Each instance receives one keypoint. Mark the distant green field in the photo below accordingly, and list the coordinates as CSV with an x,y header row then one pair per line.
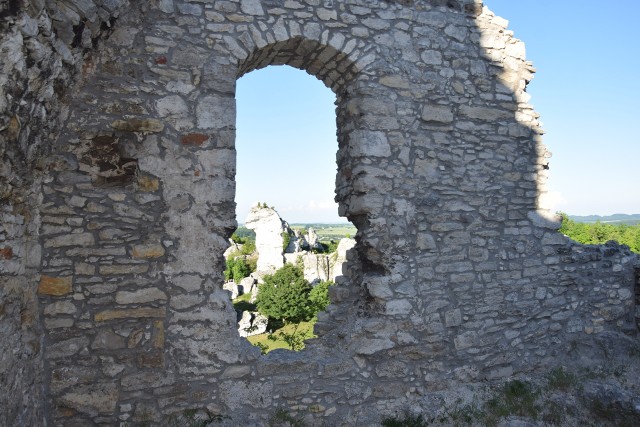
x,y
330,231
325,232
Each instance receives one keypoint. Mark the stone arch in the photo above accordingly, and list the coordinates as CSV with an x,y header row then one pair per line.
x,y
329,63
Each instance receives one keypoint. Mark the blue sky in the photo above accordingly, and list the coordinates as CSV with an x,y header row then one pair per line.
x,y
587,89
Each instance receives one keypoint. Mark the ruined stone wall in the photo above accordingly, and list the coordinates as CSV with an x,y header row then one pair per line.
x,y
458,274
43,48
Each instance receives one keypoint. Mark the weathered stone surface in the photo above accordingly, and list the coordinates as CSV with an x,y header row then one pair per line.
x,y
123,269
80,239
149,250
140,296
269,228
132,313
138,125
55,286
117,130
252,323
94,399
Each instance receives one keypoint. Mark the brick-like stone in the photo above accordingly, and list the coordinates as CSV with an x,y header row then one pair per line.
x,y
55,286
138,125
148,250
132,313
120,269
140,296
79,239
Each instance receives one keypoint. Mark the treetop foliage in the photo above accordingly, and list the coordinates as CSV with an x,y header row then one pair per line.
x,y
287,295
598,233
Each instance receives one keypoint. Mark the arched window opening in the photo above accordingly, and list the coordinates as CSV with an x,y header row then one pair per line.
x,y
290,243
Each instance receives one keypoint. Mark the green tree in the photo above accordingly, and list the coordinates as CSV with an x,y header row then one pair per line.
x,y
285,295
237,269
319,297
598,233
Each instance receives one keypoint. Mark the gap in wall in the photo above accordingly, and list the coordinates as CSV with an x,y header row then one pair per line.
x,y
286,167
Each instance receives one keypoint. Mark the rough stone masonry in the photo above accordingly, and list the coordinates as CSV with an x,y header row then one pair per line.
x,y
117,127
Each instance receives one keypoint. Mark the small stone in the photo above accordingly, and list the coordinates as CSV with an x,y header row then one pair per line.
x,y
251,7
100,398
194,139
133,313
138,125
55,286
150,250
147,183
124,269
106,339
60,307
437,114
140,296
78,239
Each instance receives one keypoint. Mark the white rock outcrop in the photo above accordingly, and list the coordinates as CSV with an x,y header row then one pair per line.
x,y
268,226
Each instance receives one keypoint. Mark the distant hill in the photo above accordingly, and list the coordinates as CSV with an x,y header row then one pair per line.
x,y
630,219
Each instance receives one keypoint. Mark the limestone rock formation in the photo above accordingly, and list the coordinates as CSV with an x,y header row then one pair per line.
x,y
269,227
252,323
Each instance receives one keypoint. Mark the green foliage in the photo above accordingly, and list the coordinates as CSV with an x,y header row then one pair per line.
x,y
237,269
319,297
517,398
295,339
286,239
276,339
598,233
243,303
287,295
327,247
559,379
248,248
284,295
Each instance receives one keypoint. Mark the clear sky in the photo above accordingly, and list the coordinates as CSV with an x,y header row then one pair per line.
x,y
587,89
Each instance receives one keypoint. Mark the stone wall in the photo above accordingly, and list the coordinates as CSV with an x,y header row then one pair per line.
x,y
458,274
45,48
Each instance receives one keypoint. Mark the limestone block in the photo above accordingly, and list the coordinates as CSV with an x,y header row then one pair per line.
x,y
437,114
157,337
77,239
120,269
188,282
140,296
55,286
368,346
379,287
92,399
399,307
149,250
251,7
181,302
216,112
367,143
484,113
237,394
138,125
60,307
465,340
107,339
132,313
66,348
